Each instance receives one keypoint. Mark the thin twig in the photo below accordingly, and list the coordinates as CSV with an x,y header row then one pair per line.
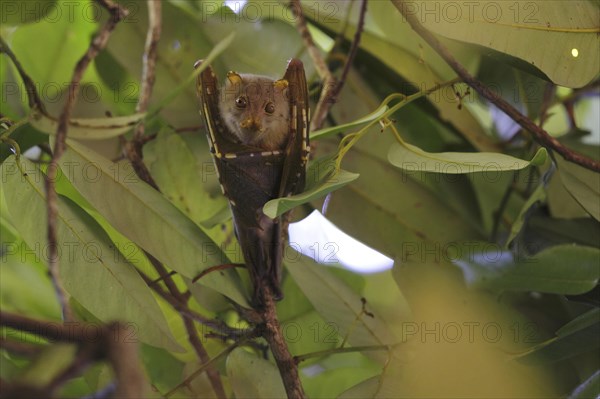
x,y
98,43
215,268
540,135
184,310
352,53
193,337
85,356
332,351
133,148
52,330
202,368
329,81
149,60
33,97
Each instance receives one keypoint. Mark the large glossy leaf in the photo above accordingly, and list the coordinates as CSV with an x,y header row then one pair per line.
x,y
582,184
563,269
391,211
91,269
391,41
66,38
409,157
173,167
253,377
332,383
148,219
17,13
18,264
523,30
337,303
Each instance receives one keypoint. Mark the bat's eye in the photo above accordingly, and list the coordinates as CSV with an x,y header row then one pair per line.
x,y
270,108
241,102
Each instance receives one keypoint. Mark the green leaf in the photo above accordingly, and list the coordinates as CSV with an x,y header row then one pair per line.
x,y
388,37
17,13
219,48
91,269
585,320
147,218
66,37
19,263
392,210
164,370
332,383
89,129
253,377
408,157
364,389
582,184
563,269
590,388
561,203
338,304
524,30
36,298
173,167
48,365
538,195
322,179
309,333
578,336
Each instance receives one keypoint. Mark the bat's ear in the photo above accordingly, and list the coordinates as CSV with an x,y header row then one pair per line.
x,y
234,78
281,84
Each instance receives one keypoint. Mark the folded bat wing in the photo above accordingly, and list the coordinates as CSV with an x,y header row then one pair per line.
x,y
250,177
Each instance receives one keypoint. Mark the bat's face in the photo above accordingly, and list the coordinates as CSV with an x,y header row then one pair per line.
x,y
256,110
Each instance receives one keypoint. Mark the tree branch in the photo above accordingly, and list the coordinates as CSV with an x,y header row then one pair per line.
x,y
98,43
33,97
329,81
134,147
193,337
113,342
134,153
540,135
288,368
184,310
353,50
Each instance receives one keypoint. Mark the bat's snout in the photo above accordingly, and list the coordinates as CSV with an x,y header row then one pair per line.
x,y
251,124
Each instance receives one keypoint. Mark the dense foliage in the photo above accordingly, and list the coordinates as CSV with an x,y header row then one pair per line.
x,y
494,289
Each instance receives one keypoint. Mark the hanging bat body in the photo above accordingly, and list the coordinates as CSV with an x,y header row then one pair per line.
x,y
258,133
